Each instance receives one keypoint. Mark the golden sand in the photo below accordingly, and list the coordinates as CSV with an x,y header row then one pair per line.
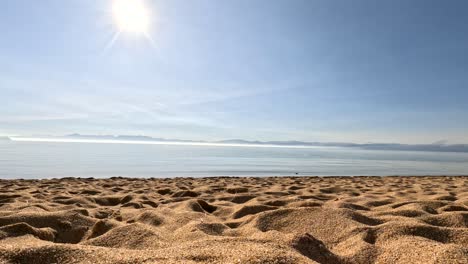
x,y
235,220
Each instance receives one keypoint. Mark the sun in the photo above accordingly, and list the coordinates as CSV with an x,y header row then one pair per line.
x,y
131,16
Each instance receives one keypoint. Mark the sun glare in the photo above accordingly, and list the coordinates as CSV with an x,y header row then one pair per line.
x,y
131,16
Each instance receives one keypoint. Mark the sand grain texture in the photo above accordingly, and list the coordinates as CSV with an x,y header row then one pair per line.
x,y
235,220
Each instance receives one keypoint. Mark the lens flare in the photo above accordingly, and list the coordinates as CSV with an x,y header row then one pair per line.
x,y
131,16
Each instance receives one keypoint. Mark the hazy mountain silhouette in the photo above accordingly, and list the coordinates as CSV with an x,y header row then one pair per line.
x,y
440,146
127,137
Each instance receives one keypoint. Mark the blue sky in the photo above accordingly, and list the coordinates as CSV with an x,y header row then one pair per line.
x,y
349,71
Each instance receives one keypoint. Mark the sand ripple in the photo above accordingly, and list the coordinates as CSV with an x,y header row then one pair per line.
x,y
235,220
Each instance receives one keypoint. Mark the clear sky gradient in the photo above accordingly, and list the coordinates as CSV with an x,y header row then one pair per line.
x,y
348,71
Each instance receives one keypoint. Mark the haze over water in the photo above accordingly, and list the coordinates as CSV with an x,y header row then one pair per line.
x,y
54,159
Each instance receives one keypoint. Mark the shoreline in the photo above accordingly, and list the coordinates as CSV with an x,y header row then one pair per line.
x,y
229,177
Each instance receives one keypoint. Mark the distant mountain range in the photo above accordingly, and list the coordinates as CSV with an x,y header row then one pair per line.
x,y
440,146
127,137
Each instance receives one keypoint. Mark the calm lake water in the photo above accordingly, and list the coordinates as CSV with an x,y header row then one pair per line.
x,y
52,159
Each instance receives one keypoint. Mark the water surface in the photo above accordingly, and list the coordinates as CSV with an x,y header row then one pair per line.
x,y
54,159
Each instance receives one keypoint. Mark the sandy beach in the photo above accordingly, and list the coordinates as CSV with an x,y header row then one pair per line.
x,y
235,220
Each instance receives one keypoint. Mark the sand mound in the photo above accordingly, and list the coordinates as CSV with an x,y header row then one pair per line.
x,y
235,220
314,249
21,229
132,236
